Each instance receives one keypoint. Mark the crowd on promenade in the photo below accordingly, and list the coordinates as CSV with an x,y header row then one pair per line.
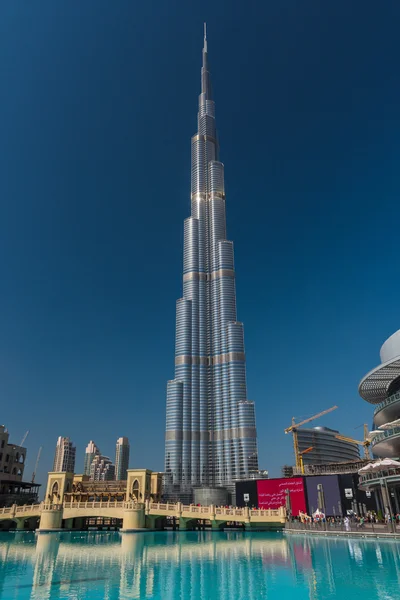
x,y
347,521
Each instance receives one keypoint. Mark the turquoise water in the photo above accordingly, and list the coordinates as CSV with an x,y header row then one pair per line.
x,y
196,566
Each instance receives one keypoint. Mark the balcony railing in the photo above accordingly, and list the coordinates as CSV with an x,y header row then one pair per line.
x,y
384,435
365,478
387,402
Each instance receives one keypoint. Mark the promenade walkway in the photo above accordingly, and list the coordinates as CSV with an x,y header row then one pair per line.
x,y
375,530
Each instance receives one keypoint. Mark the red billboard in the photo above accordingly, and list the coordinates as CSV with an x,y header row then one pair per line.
x,y
271,493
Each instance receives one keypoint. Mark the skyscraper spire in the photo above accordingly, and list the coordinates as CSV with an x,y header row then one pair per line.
x,y
205,75
210,424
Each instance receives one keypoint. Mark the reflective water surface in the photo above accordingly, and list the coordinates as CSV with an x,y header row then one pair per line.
x,y
196,566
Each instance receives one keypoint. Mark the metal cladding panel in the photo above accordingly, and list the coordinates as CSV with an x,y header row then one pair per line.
x,y
271,493
330,484
246,487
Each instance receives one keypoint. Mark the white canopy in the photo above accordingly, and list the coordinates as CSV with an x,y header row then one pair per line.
x,y
388,463
319,514
380,465
367,469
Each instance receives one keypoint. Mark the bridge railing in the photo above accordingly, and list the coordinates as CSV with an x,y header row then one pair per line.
x,y
265,512
28,508
94,504
177,509
160,506
7,510
20,510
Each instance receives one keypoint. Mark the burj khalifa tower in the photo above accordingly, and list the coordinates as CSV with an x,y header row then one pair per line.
x,y
210,424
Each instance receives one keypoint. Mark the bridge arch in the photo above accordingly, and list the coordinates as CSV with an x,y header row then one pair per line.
x,y
93,513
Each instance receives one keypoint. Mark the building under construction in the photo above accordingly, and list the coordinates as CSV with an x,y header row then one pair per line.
x,y
13,490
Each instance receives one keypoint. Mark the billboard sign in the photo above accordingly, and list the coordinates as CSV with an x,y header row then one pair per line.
x,y
272,493
323,492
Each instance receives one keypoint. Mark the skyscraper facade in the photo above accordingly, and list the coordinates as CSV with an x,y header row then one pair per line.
x,y
210,424
121,458
91,451
64,457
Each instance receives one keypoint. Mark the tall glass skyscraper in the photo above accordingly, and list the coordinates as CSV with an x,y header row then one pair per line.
x,y
210,424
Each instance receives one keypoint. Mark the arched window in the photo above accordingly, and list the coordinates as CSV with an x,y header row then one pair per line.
x,y
21,458
54,492
17,457
135,491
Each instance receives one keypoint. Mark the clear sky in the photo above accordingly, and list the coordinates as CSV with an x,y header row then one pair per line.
x,y
98,105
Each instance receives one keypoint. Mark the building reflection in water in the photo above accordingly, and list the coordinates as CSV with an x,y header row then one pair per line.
x,y
193,566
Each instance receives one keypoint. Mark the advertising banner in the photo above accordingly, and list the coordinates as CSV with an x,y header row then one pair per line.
x,y
331,494
271,493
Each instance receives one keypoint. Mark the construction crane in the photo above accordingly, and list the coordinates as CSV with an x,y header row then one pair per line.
x,y
24,438
36,464
294,427
301,457
365,444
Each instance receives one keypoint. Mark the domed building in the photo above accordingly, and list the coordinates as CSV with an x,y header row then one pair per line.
x,y
381,387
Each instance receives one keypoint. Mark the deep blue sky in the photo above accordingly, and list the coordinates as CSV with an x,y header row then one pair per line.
x,y
97,108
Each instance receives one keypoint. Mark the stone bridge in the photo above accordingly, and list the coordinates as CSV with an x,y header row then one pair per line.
x,y
138,516
70,499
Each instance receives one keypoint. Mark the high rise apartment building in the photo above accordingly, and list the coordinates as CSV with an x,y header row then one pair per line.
x,y
121,458
102,469
210,423
64,458
90,453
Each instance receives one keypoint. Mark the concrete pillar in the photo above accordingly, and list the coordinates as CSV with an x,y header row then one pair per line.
x,y
182,524
386,500
396,499
79,523
51,518
20,523
133,517
150,521
216,526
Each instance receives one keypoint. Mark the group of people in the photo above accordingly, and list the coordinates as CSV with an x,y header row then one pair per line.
x,y
359,521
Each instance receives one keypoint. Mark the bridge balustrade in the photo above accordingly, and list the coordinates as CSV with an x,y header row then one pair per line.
x,y
28,508
184,512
